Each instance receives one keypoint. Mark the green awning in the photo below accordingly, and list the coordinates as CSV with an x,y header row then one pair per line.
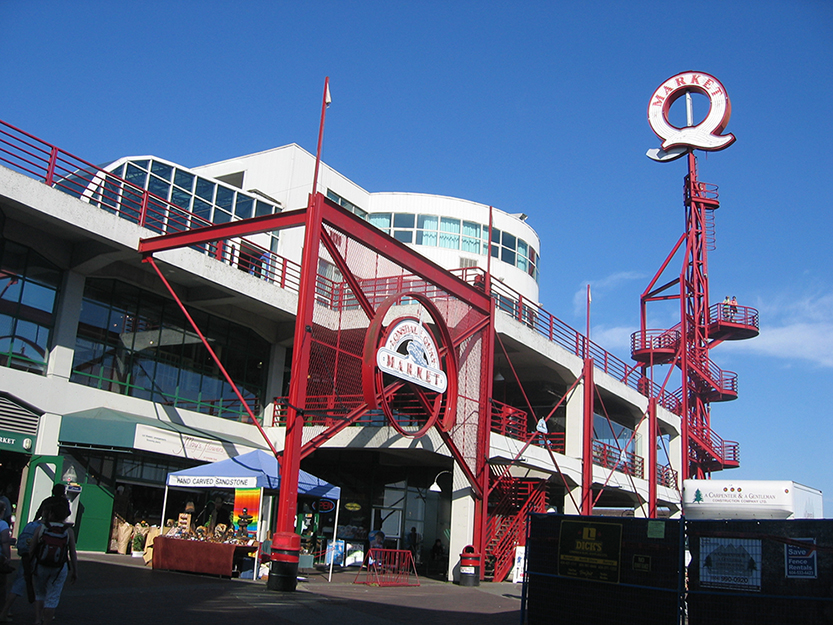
x,y
108,428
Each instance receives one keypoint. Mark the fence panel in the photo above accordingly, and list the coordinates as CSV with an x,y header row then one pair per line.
x,y
760,572
591,570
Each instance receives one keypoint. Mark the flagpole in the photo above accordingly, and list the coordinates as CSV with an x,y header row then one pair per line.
x,y
324,104
587,336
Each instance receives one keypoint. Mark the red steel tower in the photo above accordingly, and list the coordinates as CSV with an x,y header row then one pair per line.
x,y
687,346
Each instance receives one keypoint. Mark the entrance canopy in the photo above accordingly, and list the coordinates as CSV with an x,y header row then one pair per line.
x,y
256,469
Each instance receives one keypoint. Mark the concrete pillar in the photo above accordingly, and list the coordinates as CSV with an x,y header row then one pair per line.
x,y
462,522
573,444
66,326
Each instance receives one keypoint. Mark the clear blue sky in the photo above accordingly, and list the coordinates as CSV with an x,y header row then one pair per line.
x,y
537,108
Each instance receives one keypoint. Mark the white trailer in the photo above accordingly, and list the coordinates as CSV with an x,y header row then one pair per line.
x,y
750,499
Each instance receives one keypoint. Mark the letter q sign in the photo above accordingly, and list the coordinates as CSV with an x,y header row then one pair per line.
x,y
705,135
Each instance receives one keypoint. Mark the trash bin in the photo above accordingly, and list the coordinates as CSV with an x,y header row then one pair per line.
x,y
469,567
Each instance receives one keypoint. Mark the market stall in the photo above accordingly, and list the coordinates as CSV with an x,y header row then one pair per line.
x,y
209,543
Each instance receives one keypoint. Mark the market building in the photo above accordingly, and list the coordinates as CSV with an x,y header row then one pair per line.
x,y
106,384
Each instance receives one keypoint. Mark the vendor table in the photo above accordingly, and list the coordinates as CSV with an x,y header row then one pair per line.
x,y
195,556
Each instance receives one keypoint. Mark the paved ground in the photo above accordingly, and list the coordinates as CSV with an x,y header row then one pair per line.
x,y
119,590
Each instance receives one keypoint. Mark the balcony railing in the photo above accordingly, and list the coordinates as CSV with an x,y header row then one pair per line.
x,y
61,170
611,457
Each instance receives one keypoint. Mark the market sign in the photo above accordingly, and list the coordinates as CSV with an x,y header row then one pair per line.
x,y
703,136
589,550
211,481
15,441
410,354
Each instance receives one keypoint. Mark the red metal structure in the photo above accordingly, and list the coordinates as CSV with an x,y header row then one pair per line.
x,y
687,346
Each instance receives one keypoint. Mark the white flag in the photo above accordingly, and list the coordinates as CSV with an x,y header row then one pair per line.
x,y
327,98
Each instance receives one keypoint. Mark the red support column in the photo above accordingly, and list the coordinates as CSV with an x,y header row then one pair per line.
x,y
587,443
653,430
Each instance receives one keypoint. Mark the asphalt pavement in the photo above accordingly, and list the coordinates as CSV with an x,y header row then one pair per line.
x,y
119,590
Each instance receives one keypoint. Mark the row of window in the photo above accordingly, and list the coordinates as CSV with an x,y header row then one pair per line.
x,y
136,343
28,295
450,233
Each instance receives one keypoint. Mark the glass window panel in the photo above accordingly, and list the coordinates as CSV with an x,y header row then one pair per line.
x,y
38,297
507,256
447,224
360,213
244,207
225,198
205,189
159,187
184,179
221,217
162,170
428,222
522,248
426,238
135,175
202,209
380,220
263,208
406,236
523,263
181,198
509,240
449,240
471,229
495,235
403,220
10,288
470,245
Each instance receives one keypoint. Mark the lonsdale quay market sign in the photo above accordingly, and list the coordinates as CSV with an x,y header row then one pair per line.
x,y
410,367
707,135
14,441
409,353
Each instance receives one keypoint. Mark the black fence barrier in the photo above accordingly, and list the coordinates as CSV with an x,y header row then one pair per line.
x,y
761,572
591,570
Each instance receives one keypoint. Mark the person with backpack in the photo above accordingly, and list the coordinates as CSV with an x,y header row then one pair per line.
x,y
22,584
53,548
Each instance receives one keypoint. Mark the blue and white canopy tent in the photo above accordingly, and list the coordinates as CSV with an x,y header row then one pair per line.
x,y
255,469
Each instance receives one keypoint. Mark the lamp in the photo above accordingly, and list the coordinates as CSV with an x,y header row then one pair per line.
x,y
435,487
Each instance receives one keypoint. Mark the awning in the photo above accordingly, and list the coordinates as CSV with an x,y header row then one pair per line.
x,y
256,469
108,428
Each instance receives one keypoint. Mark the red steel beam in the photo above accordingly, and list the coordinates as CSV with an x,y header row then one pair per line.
x,y
233,229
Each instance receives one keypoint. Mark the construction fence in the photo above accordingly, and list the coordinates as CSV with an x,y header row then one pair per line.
x,y
590,570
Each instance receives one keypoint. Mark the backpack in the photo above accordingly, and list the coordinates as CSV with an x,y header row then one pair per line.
x,y
51,550
24,540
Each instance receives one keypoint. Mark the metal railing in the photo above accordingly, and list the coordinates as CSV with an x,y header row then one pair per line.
x,y
65,172
611,457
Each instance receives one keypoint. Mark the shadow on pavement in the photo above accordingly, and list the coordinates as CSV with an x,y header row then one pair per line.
x,y
118,590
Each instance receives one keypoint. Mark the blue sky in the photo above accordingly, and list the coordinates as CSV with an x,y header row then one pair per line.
x,y
537,108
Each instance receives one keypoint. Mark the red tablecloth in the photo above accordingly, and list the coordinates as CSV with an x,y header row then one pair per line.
x,y
194,556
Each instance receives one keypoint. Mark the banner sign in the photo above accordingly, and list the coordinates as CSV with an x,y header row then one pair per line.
x,y
589,550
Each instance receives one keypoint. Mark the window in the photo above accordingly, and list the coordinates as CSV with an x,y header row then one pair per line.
x,y
450,233
427,226
381,221
471,237
139,344
28,295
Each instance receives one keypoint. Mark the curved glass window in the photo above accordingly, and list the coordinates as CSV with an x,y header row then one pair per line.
x,y
28,295
451,233
137,343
